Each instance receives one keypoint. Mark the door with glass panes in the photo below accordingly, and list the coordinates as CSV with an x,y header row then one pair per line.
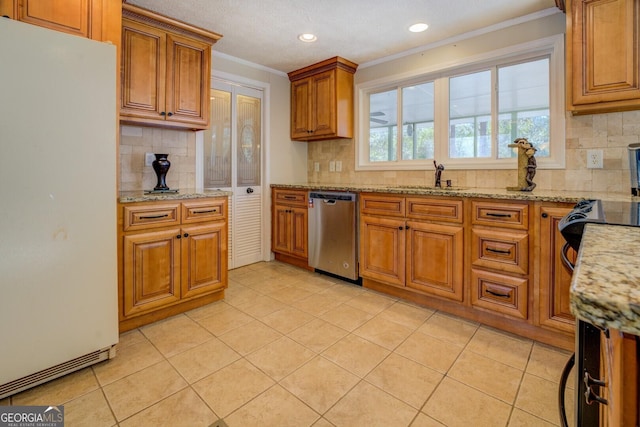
x,y
232,160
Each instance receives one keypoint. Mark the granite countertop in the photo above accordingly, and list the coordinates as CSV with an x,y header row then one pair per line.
x,y
487,193
605,289
140,196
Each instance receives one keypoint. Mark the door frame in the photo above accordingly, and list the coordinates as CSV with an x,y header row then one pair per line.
x,y
232,79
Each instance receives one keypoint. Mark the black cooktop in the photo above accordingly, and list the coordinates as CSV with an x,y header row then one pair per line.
x,y
621,213
597,211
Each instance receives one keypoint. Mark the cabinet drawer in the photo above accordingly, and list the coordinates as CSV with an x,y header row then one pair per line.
x,y
382,205
444,210
508,215
142,217
502,251
500,293
290,197
210,210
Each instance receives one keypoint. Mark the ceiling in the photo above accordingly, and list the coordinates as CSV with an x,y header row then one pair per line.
x,y
265,32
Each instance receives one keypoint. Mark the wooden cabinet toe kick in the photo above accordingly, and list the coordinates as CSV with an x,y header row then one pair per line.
x,y
508,324
159,314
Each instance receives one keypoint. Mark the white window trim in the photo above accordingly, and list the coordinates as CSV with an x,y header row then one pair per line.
x,y
553,45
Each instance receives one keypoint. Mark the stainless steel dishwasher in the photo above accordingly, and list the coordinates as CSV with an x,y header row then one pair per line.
x,y
333,233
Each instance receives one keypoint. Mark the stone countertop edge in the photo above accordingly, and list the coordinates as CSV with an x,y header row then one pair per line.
x,y
605,288
140,196
561,196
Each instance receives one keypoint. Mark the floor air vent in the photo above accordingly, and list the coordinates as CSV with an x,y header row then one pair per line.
x,y
57,371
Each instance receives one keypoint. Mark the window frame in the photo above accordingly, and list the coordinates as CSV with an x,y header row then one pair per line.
x,y
552,47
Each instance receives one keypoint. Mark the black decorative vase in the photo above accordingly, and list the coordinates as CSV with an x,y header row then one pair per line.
x,y
161,166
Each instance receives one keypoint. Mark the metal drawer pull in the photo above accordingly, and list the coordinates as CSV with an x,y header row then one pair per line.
x,y
154,216
498,294
289,197
204,212
499,215
499,251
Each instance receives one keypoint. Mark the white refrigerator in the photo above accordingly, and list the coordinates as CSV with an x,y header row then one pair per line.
x,y
58,268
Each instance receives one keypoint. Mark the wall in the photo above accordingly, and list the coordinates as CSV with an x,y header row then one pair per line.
x,y
135,141
609,132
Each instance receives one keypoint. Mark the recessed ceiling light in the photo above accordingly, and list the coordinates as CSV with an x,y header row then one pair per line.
x,y
418,28
307,38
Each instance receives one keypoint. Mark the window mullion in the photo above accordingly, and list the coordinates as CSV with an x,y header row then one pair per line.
x,y
441,119
494,113
399,127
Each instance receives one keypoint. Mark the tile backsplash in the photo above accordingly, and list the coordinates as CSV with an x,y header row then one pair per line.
x,y
611,132
135,141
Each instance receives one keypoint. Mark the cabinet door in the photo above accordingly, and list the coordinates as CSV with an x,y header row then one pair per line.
x,y
323,104
603,47
9,8
435,259
382,249
299,232
69,16
621,372
281,229
555,277
204,259
300,105
151,271
144,67
188,67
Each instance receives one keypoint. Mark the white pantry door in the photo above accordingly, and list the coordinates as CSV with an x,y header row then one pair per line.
x,y
232,154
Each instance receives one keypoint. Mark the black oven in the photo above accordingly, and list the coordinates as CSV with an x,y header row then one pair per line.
x,y
587,348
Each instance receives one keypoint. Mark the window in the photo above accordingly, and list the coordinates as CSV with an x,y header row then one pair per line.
x,y
466,116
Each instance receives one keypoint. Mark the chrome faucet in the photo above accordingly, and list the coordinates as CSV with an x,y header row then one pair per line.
x,y
439,169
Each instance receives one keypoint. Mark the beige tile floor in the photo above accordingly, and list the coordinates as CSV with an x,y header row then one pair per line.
x,y
292,348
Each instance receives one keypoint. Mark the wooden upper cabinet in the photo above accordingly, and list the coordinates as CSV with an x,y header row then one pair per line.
x,y
94,19
166,71
603,64
144,59
322,100
70,16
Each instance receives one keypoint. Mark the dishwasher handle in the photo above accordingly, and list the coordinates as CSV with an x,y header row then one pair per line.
x,y
334,195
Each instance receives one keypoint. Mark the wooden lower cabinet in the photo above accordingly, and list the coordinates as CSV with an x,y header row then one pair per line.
x,y
498,264
419,255
554,310
201,259
620,370
170,258
151,279
382,249
499,267
500,293
290,233
289,227
434,259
